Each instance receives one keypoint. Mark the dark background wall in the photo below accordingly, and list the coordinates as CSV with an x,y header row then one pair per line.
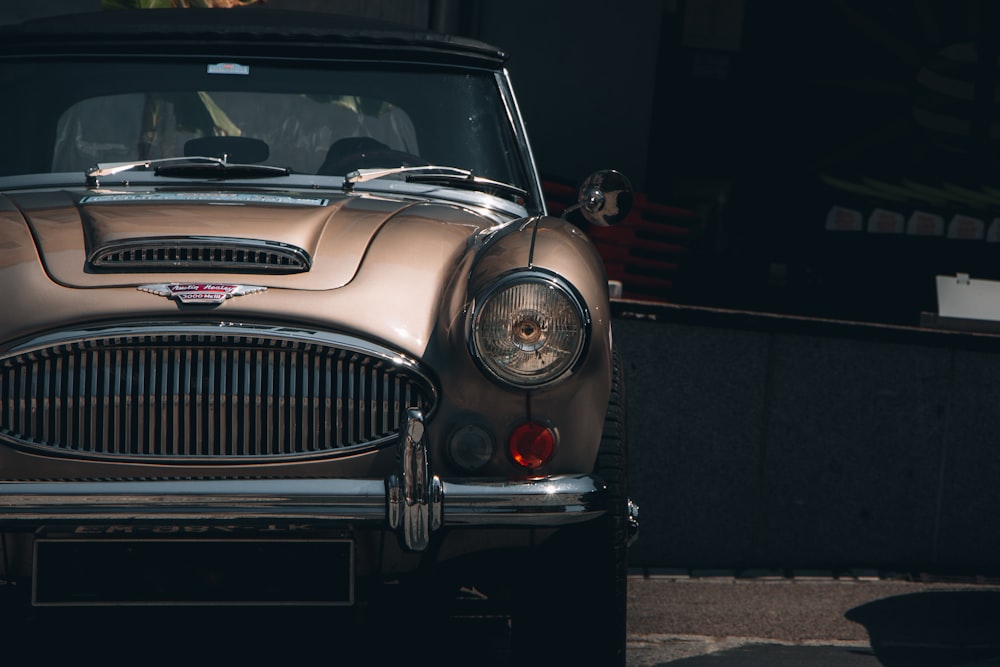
x,y
771,442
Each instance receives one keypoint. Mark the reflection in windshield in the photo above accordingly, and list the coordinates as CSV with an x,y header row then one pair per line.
x,y
109,111
298,129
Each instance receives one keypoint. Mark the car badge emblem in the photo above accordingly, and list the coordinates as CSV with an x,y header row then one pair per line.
x,y
208,293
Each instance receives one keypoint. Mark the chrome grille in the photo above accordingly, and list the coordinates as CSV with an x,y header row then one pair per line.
x,y
210,397
170,254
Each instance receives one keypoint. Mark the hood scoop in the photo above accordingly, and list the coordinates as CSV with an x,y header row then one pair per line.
x,y
131,239
199,253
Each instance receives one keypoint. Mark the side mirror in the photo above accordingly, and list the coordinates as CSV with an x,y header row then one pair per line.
x,y
604,198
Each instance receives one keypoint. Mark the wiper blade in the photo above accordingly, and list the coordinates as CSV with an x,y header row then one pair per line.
x,y
112,168
197,166
428,173
221,170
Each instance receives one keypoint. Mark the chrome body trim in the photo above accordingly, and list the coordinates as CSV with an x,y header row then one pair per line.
x,y
147,329
200,253
414,495
544,502
516,119
632,522
524,276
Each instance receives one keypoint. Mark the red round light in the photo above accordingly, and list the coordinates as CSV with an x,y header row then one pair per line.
x,y
532,444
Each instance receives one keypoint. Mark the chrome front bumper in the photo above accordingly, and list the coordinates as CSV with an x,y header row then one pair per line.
x,y
551,501
412,501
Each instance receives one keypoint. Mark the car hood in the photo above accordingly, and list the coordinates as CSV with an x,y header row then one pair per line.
x,y
382,268
274,240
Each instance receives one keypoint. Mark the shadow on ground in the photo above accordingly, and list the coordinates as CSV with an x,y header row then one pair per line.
x,y
250,637
933,628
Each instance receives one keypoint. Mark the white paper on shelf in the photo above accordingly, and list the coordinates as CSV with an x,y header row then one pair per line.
x,y
960,296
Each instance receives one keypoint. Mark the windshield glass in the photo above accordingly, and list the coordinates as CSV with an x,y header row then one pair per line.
x,y
67,117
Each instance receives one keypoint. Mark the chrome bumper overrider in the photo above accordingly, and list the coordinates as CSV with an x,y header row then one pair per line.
x,y
412,501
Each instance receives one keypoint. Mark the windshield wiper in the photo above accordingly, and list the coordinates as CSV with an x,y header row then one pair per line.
x,y
195,166
429,173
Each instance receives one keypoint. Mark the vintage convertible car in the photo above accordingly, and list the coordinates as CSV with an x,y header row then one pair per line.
x,y
280,293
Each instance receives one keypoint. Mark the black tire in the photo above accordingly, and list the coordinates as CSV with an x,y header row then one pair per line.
x,y
572,611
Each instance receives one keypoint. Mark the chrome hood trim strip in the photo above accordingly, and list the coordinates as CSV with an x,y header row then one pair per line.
x,y
214,328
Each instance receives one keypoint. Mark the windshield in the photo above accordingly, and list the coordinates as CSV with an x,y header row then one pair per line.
x,y
68,117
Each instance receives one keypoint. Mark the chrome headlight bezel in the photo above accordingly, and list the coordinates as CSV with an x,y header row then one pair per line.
x,y
537,357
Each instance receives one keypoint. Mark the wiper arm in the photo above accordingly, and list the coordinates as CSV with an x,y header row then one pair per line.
x,y
428,173
199,166
112,168
362,175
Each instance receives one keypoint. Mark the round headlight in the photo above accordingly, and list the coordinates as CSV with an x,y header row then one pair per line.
x,y
528,330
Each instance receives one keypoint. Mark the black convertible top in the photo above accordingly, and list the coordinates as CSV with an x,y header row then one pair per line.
x,y
245,31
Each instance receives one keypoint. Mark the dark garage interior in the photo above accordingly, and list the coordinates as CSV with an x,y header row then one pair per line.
x,y
838,154
824,159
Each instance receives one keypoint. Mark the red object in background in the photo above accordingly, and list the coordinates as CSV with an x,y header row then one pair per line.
x,y
646,251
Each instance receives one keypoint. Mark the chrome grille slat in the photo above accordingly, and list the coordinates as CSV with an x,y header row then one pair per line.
x,y
177,397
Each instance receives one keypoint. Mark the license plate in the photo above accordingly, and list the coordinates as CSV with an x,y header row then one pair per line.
x,y
111,571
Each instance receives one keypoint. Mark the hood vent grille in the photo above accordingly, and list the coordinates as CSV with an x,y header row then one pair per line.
x,y
201,254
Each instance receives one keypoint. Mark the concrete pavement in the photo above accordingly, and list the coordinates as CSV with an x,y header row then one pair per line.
x,y
858,619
